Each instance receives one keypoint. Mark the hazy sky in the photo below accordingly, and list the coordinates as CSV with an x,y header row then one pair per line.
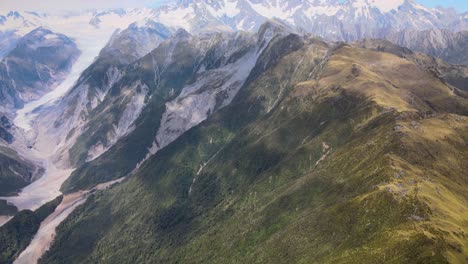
x,y
67,5
461,5
70,5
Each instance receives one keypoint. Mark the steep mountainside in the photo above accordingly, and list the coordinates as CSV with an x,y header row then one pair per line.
x,y
327,154
136,41
88,106
332,19
38,63
185,79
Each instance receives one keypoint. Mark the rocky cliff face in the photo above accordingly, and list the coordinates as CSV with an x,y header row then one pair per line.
x,y
6,130
181,83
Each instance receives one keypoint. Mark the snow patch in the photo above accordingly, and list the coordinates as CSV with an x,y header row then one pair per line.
x,y
51,36
383,5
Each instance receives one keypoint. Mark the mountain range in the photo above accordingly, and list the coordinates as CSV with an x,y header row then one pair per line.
x,y
331,19
318,158
226,131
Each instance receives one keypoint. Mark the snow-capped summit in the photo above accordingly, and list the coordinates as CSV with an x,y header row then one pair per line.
x,y
136,41
384,6
38,63
333,19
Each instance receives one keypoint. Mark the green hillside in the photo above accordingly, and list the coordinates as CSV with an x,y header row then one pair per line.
x,y
327,155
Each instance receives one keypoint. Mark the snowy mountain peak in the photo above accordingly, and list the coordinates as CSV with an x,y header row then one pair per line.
x,y
331,19
383,5
284,8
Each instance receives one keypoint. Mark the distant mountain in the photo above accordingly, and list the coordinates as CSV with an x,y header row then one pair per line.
x,y
161,96
39,62
8,42
331,19
449,46
128,45
13,26
350,20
